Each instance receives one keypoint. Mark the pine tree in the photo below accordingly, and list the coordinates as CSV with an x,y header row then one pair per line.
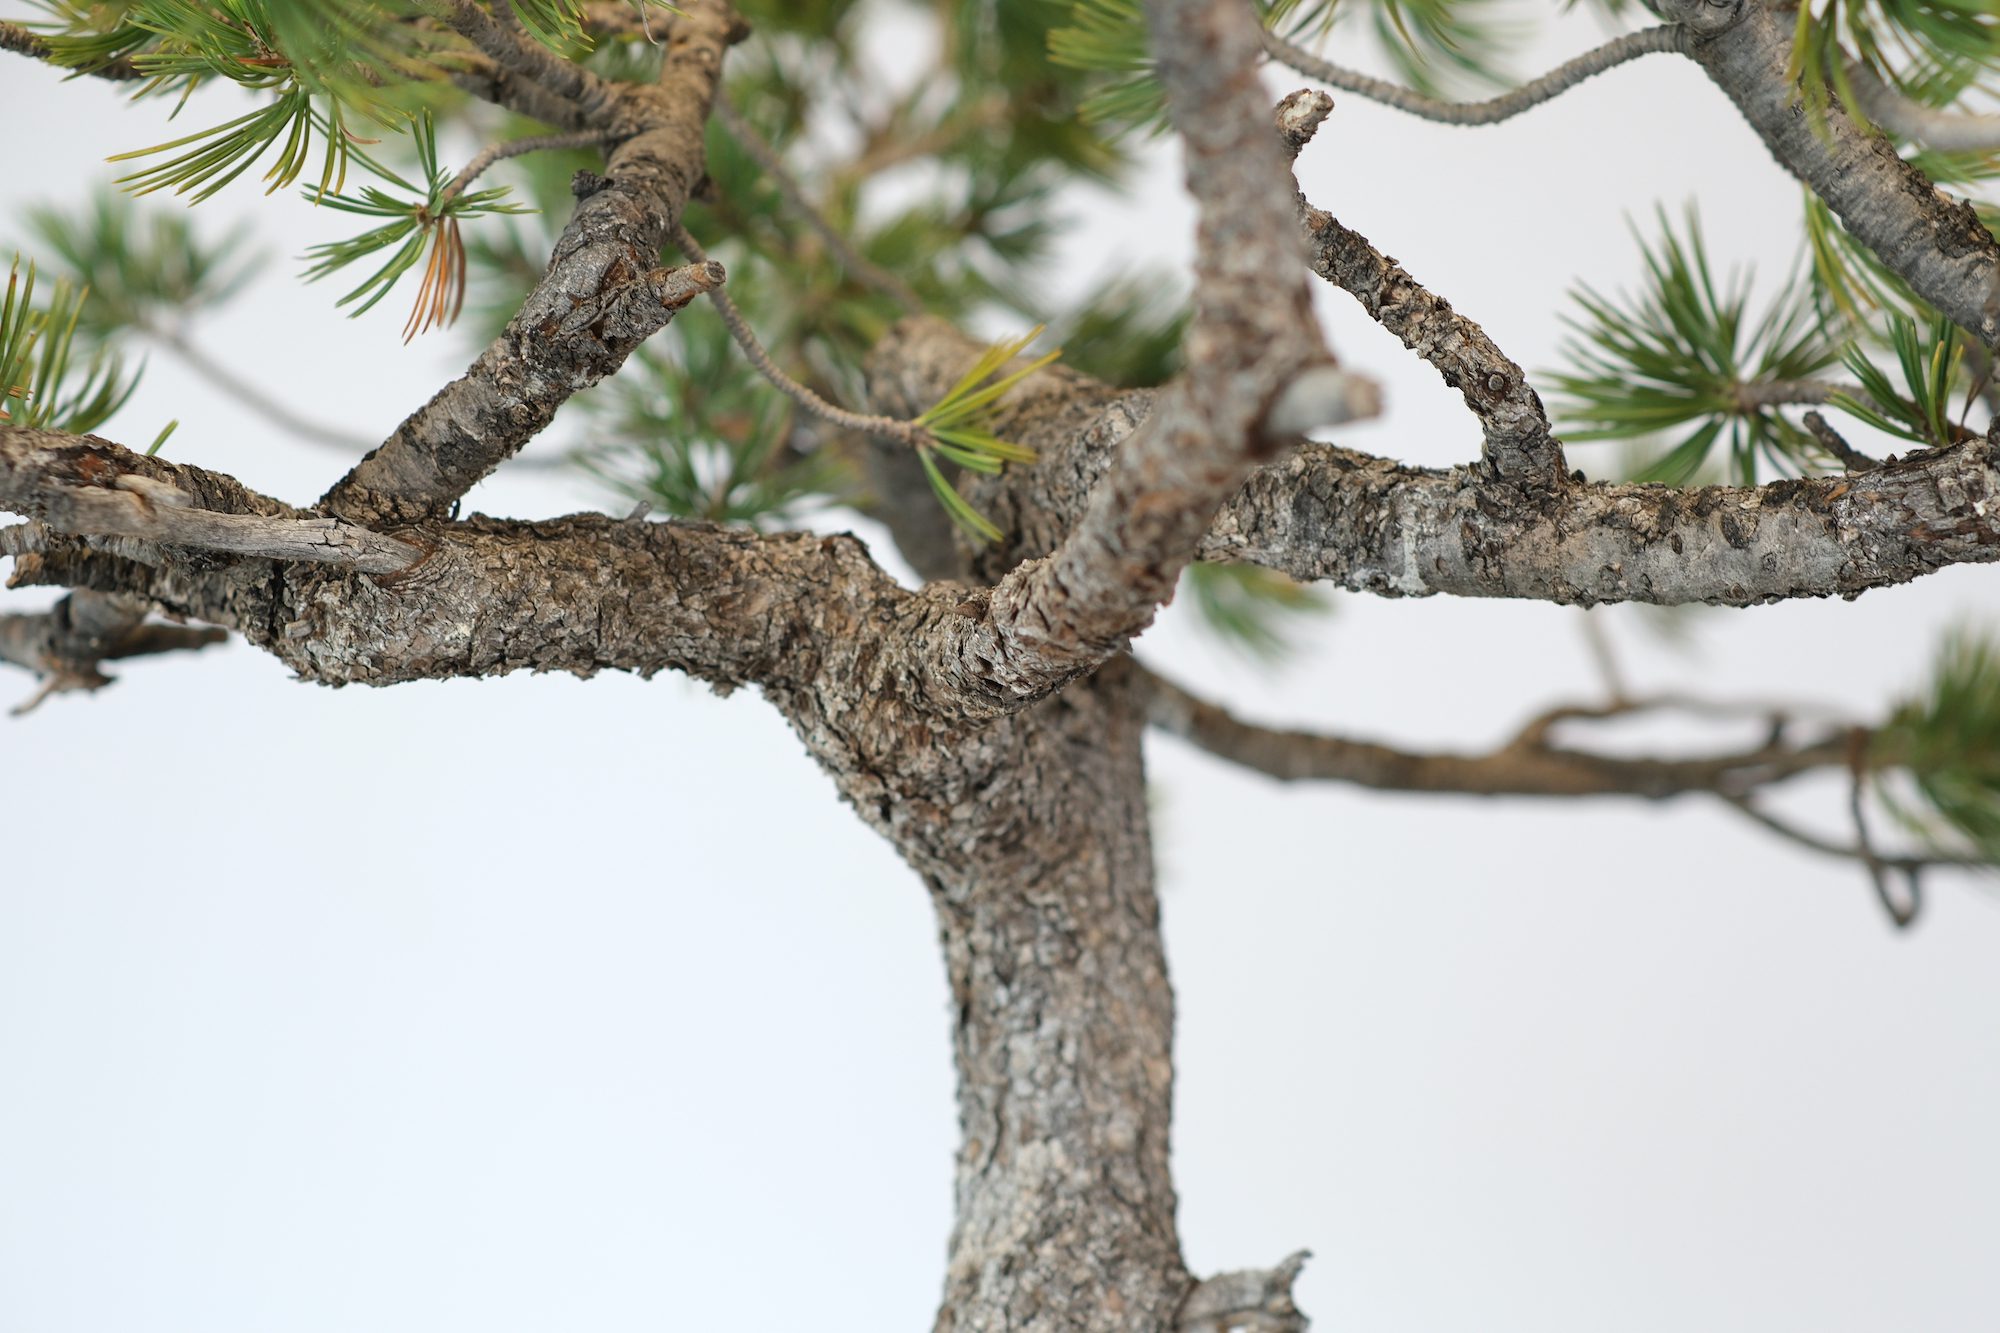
x,y
757,329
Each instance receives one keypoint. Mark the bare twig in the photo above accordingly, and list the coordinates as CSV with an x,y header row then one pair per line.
x,y
1527,765
499,152
1836,444
909,432
1667,37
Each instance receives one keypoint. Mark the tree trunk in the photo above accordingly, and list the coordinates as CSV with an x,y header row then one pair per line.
x,y
1043,882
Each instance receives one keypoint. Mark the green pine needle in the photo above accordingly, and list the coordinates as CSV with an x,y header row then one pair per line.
x,y
413,227
1253,610
1678,355
957,425
1947,738
39,384
1930,361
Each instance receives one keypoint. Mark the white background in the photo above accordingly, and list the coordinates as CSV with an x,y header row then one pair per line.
x,y
543,1004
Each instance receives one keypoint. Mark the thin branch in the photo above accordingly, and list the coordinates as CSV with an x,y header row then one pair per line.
x,y
1604,656
858,266
908,432
510,148
68,644
1836,444
1755,395
1618,51
1517,439
273,409
25,41
1525,766
489,81
505,42
1854,852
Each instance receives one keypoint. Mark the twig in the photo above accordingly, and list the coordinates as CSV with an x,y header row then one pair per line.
x,y
1836,444
739,328
858,266
67,644
14,37
1667,37
498,152
247,394
503,40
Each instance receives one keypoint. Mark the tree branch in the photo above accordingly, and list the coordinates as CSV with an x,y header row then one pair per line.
x,y
1618,51
90,487
1526,766
27,42
1257,376
604,294
1937,246
1374,525
1940,131
858,266
1515,427
68,644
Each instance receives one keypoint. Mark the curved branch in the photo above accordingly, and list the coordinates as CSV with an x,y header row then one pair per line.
x,y
1526,766
1616,52
603,294
1513,423
1940,248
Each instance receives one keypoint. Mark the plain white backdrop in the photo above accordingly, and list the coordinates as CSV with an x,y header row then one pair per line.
x,y
541,1004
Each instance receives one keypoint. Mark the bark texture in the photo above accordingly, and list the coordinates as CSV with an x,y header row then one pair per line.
x,y
1374,525
990,729
1934,243
604,292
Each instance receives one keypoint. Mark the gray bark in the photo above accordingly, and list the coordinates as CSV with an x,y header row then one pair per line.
x,y
990,730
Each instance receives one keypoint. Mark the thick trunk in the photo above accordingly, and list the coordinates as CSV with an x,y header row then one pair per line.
x,y
1065,1209
1031,833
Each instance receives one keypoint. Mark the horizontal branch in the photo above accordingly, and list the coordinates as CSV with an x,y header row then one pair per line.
x,y
581,594
68,644
1374,525
1526,766
1616,52
92,487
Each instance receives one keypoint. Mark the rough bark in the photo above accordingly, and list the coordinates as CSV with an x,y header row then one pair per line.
x,y
1933,243
603,294
991,731
1374,525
